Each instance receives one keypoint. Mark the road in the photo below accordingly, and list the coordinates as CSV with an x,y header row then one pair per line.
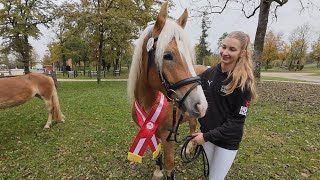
x,y
295,76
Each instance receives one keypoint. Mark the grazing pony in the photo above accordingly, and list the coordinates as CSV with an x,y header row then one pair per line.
x,y
163,61
17,90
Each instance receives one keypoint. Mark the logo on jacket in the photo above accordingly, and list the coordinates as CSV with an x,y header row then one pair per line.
x,y
223,89
209,82
244,109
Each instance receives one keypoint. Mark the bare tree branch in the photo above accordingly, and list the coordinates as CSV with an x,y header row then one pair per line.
x,y
301,6
275,11
252,14
282,2
211,9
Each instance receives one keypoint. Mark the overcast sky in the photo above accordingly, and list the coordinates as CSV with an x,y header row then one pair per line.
x,y
232,19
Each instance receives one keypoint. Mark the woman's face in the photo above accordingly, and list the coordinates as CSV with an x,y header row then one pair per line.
x,y
230,51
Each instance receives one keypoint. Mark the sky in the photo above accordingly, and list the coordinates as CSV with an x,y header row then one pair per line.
x,y
232,19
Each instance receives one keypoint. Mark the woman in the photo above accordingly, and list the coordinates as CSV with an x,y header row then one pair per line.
x,y
229,87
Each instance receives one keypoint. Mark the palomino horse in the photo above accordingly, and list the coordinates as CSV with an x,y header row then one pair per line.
x,y
166,64
15,91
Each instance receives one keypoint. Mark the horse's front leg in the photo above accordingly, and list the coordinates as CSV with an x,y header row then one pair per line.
x,y
192,127
48,124
50,111
168,149
157,174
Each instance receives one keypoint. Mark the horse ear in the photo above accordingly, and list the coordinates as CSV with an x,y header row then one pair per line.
x,y
182,21
162,16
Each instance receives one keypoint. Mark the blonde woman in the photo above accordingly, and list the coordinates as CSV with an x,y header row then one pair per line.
x,y
229,88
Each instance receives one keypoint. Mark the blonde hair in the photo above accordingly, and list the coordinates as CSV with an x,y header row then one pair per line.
x,y
242,74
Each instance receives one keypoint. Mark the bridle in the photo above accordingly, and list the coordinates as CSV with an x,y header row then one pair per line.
x,y
171,88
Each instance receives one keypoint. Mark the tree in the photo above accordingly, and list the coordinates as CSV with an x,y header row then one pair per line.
x,y
315,52
271,48
4,59
46,59
284,53
224,35
298,47
54,52
19,21
264,6
34,58
112,22
203,51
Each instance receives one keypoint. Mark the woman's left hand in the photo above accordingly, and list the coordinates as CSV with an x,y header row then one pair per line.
x,y
198,138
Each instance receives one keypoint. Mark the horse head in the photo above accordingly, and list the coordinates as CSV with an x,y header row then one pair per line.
x,y
163,60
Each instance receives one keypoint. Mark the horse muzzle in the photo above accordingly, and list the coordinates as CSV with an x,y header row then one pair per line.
x,y
195,104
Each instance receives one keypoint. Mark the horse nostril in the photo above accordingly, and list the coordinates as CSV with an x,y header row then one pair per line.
x,y
197,107
200,109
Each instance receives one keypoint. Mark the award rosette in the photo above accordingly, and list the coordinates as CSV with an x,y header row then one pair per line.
x,y
148,125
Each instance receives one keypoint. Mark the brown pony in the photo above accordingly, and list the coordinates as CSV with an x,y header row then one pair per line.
x,y
17,90
166,66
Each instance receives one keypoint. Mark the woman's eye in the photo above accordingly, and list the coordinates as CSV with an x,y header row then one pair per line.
x,y
168,56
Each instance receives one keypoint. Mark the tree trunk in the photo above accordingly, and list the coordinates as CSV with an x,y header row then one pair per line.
x,y
64,61
26,54
84,67
267,65
118,60
260,34
100,57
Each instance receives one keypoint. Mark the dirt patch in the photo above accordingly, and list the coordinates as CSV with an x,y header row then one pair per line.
x,y
290,95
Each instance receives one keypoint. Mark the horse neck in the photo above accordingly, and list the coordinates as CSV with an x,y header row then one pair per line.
x,y
145,94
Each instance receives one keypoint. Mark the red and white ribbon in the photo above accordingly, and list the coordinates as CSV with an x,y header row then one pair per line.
x,y
148,125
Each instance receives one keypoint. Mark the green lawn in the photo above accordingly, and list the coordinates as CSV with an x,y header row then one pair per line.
x,y
281,139
268,78
315,74
309,68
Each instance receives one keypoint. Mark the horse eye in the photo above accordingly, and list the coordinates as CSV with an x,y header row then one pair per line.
x,y
168,56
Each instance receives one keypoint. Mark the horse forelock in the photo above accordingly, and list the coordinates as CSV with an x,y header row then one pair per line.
x,y
172,30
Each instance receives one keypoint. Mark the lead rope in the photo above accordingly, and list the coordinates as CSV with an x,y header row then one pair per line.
x,y
193,156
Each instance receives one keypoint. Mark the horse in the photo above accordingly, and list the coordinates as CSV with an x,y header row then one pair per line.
x,y
18,90
163,60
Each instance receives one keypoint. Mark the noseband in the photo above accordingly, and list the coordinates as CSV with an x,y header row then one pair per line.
x,y
171,88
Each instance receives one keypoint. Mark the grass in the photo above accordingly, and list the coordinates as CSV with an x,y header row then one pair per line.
x,y
281,139
268,78
315,74
309,68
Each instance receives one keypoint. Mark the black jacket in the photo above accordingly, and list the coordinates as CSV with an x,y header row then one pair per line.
x,y
223,123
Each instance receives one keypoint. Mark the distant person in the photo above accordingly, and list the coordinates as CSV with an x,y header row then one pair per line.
x,y
229,88
108,67
68,68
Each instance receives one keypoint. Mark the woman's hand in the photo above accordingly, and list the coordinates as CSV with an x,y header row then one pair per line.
x,y
198,138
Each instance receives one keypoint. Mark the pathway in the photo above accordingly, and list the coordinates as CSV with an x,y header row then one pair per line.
x,y
296,76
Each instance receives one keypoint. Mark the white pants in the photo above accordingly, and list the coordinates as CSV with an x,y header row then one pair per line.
x,y
220,160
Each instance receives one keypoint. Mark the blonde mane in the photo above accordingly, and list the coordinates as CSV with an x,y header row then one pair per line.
x,y
170,30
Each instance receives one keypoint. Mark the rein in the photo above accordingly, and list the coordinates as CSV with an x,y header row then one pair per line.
x,y
171,88
197,152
